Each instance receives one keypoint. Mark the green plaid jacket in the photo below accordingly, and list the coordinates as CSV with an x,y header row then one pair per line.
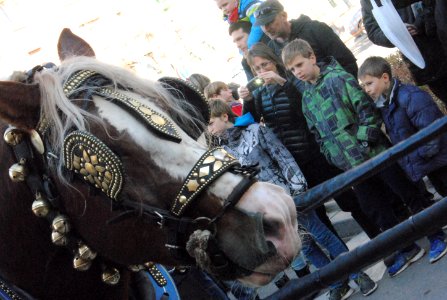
x,y
342,117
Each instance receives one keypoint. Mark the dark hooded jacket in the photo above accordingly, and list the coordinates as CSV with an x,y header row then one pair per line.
x,y
324,41
427,42
280,108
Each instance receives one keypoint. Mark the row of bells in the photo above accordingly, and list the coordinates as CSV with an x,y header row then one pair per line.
x,y
41,208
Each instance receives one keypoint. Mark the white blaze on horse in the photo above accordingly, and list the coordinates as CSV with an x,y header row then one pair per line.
x,y
105,175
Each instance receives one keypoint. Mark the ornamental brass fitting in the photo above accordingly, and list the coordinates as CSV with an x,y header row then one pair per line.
x,y
18,172
41,207
59,239
86,253
61,224
37,142
13,136
81,264
110,276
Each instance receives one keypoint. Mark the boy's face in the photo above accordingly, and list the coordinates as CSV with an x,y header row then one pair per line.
x,y
218,125
226,6
240,38
226,94
304,68
375,86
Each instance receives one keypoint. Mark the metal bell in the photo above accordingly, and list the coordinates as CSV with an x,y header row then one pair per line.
x,y
59,239
13,136
41,207
81,264
18,172
110,276
86,253
135,268
61,224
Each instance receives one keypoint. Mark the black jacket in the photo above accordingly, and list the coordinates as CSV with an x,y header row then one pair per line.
x,y
427,42
324,41
280,108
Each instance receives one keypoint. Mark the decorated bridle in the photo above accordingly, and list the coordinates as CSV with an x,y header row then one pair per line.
x,y
91,160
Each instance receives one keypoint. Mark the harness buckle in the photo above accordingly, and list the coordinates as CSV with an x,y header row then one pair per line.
x,y
160,223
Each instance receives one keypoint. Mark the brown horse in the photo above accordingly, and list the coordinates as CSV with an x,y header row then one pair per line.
x,y
102,180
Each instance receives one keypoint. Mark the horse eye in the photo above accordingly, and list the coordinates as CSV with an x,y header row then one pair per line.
x,y
271,227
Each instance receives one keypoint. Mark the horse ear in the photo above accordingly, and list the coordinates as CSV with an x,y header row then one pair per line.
x,y
20,104
70,45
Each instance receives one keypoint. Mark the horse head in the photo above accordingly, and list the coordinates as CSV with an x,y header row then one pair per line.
x,y
113,163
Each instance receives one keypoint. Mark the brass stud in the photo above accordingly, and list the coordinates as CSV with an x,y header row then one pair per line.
x,y
182,199
110,276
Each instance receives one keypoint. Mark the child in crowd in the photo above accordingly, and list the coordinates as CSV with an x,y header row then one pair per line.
x,y
199,80
347,127
252,143
405,110
221,90
242,10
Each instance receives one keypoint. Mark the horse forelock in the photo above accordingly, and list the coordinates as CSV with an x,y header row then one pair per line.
x,y
65,115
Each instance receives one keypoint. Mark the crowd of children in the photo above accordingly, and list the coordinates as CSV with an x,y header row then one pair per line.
x,y
311,119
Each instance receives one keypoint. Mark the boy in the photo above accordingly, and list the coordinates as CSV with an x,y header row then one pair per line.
x,y
242,10
405,110
219,89
347,127
252,143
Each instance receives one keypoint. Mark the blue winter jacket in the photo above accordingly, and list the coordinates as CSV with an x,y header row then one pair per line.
x,y
408,110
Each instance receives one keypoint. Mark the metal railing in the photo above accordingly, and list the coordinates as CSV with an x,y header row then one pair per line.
x,y
384,244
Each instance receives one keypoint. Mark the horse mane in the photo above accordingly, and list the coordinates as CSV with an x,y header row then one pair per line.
x,y
64,115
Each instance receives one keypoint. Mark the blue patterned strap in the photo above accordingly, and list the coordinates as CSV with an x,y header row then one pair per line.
x,y
164,289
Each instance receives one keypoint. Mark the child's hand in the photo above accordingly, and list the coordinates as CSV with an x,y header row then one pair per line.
x,y
244,93
271,77
412,29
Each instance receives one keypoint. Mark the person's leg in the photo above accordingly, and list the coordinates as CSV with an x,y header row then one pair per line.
x,y
411,195
374,205
396,179
349,203
319,171
439,180
322,215
441,22
439,88
321,234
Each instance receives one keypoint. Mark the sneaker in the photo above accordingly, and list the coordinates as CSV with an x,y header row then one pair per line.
x,y
414,254
282,281
340,293
438,249
366,284
404,259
